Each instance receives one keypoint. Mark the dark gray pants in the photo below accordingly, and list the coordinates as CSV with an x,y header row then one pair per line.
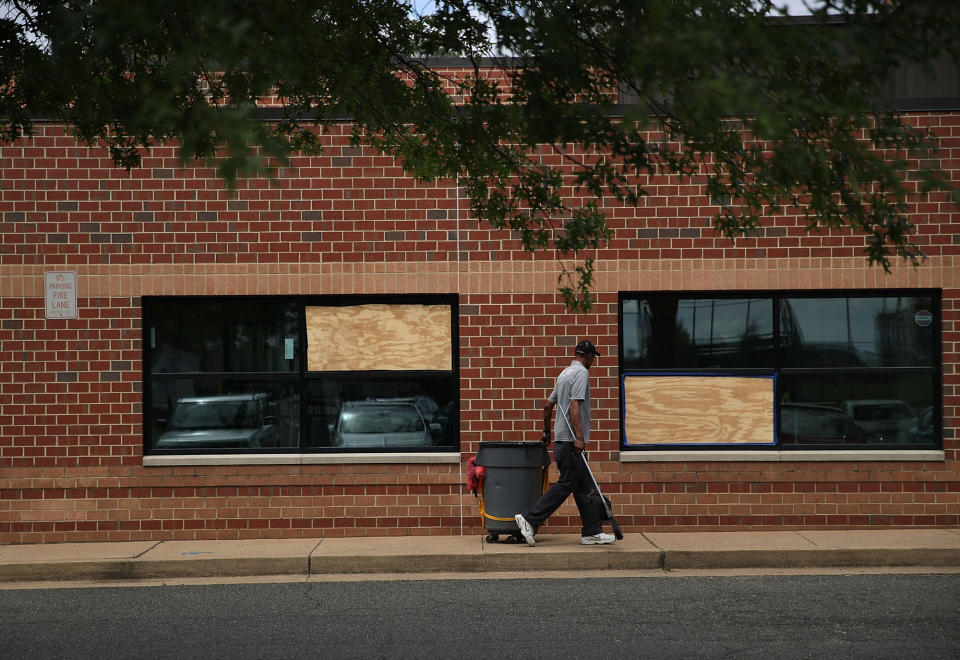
x,y
573,480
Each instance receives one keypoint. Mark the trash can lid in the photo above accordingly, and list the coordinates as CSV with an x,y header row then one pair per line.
x,y
513,454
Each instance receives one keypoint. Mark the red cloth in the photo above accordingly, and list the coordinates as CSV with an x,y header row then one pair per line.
x,y
475,475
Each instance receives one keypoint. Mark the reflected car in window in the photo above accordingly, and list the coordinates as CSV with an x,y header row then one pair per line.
x,y
802,423
923,431
883,420
380,424
427,406
429,409
233,420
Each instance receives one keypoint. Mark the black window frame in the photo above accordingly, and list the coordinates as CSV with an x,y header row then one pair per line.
x,y
778,371
301,377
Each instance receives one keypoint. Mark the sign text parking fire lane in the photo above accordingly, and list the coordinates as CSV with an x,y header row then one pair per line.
x,y
60,293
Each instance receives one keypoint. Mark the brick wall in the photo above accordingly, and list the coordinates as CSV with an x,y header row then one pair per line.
x,y
347,222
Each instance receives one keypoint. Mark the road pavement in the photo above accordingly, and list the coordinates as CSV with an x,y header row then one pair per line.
x,y
781,616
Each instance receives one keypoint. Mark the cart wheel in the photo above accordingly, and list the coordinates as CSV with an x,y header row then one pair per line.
x,y
515,538
492,538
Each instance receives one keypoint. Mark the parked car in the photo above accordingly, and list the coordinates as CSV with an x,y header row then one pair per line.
x,y
802,423
428,408
232,420
376,423
883,420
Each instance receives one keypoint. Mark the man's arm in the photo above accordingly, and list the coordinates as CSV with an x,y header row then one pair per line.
x,y
547,418
577,424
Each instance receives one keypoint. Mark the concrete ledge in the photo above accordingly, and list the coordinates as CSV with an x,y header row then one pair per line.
x,y
809,549
820,558
472,554
639,456
301,459
146,560
780,456
410,457
886,548
146,570
519,562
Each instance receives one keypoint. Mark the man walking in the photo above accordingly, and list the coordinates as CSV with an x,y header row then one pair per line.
x,y
571,432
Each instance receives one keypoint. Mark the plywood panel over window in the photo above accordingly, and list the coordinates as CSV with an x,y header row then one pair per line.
x,y
700,410
379,337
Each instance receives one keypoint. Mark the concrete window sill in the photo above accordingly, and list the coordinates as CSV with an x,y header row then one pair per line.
x,y
301,459
777,456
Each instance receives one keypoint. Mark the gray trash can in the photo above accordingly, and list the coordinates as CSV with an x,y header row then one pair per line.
x,y
516,477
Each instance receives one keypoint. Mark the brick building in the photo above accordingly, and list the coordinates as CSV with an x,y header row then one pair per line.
x,y
320,354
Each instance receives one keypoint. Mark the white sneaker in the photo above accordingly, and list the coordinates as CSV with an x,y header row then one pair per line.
x,y
597,539
526,529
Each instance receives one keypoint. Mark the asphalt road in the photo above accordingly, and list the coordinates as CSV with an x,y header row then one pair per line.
x,y
869,616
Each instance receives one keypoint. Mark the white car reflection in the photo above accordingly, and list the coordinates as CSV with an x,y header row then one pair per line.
x,y
883,420
380,424
227,421
806,423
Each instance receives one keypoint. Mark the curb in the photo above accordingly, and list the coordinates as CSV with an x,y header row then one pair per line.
x,y
556,561
489,562
146,570
819,558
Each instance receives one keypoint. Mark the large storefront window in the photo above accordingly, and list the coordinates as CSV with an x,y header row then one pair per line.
x,y
793,370
283,374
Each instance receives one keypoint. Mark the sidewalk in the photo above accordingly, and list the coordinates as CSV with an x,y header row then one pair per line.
x,y
934,548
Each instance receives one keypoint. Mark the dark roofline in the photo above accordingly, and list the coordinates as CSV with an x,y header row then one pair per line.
x,y
930,104
924,104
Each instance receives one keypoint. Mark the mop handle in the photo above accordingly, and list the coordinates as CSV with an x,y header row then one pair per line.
x,y
596,486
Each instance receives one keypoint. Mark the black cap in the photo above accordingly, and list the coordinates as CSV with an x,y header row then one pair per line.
x,y
586,347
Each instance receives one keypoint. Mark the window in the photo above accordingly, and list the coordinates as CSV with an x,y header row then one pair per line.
x,y
790,370
670,333
292,374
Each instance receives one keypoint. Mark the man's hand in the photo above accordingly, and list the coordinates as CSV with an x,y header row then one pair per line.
x,y
548,406
579,445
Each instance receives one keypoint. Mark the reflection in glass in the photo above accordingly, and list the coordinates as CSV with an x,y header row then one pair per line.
x,y
223,412
803,423
381,424
378,418
885,411
390,412
205,336
856,332
215,413
666,332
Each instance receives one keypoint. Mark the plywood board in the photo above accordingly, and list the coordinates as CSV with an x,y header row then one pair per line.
x,y
379,337
700,410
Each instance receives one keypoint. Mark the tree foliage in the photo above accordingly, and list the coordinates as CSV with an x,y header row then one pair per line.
x,y
770,114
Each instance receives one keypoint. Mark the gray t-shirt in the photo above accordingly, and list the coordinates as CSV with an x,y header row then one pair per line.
x,y
572,383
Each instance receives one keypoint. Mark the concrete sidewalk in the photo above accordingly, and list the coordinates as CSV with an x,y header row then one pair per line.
x,y
934,548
